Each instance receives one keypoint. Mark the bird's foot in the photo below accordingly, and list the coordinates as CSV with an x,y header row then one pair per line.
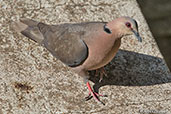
x,y
93,94
102,73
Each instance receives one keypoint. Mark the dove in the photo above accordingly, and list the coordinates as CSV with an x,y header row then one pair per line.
x,y
83,46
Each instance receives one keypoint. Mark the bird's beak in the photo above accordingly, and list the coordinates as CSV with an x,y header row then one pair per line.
x,y
137,35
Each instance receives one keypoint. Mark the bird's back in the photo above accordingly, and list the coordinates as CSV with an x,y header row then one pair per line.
x,y
66,42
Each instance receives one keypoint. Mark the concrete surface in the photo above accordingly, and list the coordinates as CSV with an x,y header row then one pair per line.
x,y
34,82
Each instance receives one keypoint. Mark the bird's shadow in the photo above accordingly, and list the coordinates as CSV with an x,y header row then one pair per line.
x,y
133,69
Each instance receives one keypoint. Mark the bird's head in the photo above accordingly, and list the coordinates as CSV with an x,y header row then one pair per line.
x,y
125,26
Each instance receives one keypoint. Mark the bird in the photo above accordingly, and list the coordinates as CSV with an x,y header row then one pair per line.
x,y
83,46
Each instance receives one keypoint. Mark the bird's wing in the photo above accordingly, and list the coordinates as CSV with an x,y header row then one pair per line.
x,y
65,43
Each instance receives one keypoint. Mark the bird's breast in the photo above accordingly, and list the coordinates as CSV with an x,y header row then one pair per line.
x,y
101,52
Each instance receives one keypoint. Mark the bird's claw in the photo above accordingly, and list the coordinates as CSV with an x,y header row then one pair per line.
x,y
93,94
88,97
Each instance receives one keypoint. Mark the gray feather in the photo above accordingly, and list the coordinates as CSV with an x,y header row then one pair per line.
x,y
64,41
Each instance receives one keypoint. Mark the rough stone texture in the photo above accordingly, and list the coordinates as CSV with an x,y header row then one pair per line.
x,y
32,81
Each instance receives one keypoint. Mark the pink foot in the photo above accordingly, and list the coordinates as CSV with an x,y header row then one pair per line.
x,y
94,94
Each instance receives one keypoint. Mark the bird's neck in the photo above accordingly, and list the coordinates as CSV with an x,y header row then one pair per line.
x,y
116,29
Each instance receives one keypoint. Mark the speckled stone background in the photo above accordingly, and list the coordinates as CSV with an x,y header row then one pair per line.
x,y
32,81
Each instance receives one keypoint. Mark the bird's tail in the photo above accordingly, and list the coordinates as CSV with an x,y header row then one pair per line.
x,y
29,28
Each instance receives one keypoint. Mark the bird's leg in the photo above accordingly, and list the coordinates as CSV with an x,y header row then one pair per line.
x,y
102,73
94,94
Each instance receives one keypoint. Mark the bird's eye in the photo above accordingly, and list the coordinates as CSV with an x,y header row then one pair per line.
x,y
128,25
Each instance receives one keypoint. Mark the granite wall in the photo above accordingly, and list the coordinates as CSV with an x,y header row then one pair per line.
x,y
32,81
